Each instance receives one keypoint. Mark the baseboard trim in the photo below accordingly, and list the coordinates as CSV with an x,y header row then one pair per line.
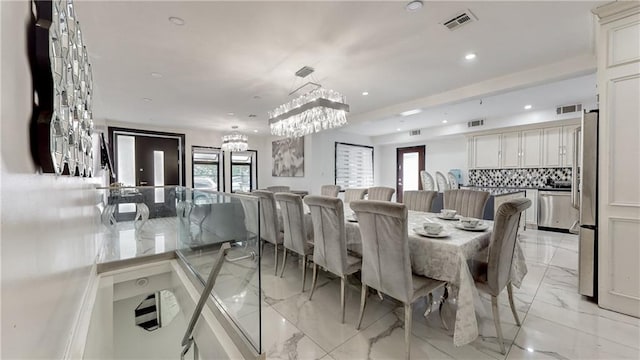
x,y
78,338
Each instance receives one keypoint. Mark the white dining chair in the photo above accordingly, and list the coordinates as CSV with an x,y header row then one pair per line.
x,y
386,265
381,193
466,202
354,194
330,243
330,190
493,274
269,227
453,181
277,189
419,200
441,180
427,181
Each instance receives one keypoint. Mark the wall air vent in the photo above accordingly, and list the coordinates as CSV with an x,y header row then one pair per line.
x,y
474,123
566,109
414,132
459,20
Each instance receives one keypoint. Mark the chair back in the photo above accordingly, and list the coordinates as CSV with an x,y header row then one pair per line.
x,y
453,181
503,241
295,232
381,193
276,189
250,208
466,202
330,239
354,194
441,180
330,190
427,181
386,265
269,227
419,200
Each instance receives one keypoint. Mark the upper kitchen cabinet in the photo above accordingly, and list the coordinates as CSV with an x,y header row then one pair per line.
x,y
552,147
532,148
511,152
568,144
486,151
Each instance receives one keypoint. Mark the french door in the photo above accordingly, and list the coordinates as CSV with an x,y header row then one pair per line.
x,y
410,161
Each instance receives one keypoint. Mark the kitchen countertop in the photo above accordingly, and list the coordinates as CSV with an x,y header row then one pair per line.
x,y
523,188
496,191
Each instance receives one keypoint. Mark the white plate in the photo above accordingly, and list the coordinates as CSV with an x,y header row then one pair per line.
x,y
481,227
455,218
421,232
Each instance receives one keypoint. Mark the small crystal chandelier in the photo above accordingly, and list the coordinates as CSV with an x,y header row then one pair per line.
x,y
319,109
235,142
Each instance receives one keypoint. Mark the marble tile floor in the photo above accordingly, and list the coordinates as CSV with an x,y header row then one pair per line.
x,y
557,323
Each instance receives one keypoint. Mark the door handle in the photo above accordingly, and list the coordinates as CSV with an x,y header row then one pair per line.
x,y
574,228
575,177
142,183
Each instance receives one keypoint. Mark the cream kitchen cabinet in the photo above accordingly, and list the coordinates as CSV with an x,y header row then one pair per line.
x,y
486,151
567,145
552,147
532,148
510,149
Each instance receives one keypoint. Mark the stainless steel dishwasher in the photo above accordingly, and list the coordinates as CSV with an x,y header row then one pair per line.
x,y
555,210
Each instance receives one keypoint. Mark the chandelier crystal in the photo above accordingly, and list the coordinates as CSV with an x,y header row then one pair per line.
x,y
319,109
235,142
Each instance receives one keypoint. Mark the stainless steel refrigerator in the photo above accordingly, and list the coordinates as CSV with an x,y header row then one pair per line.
x,y
584,197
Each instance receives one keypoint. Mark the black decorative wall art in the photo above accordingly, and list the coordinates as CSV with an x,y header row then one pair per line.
x,y
63,90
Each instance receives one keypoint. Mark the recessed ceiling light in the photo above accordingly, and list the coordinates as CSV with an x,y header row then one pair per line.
x,y
176,20
527,107
365,93
255,130
444,121
411,112
253,115
398,129
156,75
414,5
470,56
230,114
147,99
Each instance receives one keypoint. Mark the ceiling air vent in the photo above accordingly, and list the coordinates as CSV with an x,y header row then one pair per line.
x,y
566,109
414,132
474,123
459,20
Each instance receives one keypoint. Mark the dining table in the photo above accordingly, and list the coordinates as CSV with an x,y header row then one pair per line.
x,y
445,259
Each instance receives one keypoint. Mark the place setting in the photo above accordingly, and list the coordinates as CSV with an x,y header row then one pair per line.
x,y
472,224
431,229
448,214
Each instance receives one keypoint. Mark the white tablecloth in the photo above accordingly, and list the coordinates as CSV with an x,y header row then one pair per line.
x,y
446,259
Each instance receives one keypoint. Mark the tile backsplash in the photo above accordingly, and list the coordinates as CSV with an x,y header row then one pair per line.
x,y
529,177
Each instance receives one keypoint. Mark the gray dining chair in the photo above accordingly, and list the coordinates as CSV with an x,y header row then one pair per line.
x,y
276,189
419,200
466,202
296,234
427,181
493,274
380,193
269,227
386,265
441,180
250,209
330,242
330,190
354,194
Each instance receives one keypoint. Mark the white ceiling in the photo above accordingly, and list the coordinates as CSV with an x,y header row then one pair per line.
x,y
239,57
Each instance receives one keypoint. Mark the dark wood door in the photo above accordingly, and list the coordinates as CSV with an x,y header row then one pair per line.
x,y
158,164
409,161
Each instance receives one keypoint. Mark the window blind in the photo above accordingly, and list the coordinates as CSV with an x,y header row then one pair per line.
x,y
354,166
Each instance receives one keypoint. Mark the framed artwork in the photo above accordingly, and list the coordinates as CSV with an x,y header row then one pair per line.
x,y
288,157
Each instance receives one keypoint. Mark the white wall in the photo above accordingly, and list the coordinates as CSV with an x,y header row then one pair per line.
x,y
319,160
440,155
47,221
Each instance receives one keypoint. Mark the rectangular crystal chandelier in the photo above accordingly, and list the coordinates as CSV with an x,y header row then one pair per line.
x,y
319,109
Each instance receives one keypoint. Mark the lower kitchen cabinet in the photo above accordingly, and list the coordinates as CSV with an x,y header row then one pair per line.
x,y
531,214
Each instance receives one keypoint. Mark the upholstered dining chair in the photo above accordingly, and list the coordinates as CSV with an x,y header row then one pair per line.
x,y
296,235
419,200
276,189
269,227
441,180
494,274
386,265
354,194
427,181
466,202
330,242
453,181
381,193
250,208
330,190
